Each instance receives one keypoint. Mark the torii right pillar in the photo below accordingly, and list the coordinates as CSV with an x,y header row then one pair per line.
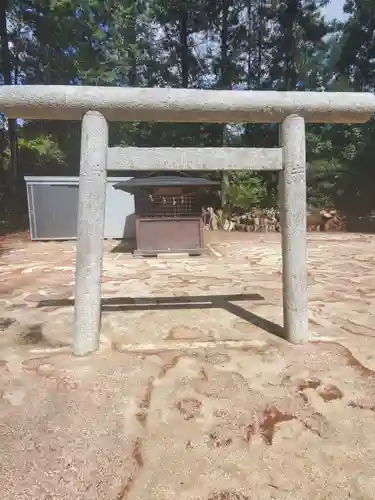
x,y
292,205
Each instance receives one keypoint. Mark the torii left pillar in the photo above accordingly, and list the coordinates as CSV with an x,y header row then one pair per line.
x,y
89,250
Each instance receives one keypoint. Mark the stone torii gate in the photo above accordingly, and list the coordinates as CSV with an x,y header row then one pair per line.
x,y
95,105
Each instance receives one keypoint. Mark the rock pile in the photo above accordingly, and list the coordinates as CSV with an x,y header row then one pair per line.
x,y
255,221
268,220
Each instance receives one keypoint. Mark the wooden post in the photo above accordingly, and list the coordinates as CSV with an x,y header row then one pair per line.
x,y
89,250
293,232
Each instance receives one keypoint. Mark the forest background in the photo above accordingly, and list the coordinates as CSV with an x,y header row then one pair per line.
x,y
210,44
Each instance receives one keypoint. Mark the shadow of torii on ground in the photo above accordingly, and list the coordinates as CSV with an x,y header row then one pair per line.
x,y
183,302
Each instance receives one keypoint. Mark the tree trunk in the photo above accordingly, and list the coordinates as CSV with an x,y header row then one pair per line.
x,y
225,84
224,174
260,44
6,70
132,40
250,71
290,73
184,50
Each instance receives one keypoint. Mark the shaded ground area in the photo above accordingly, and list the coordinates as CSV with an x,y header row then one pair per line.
x,y
189,401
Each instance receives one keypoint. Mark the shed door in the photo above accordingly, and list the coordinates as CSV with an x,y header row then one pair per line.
x,y
55,211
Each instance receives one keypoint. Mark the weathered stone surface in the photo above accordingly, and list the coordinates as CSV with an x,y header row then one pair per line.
x,y
293,229
91,215
59,102
194,159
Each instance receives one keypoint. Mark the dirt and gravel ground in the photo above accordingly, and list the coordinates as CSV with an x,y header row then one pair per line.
x,y
197,401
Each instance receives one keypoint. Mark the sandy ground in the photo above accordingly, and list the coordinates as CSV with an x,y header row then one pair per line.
x,y
198,401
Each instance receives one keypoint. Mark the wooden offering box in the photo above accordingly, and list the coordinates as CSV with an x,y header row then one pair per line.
x,y
168,214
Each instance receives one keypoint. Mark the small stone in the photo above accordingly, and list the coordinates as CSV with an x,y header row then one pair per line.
x,y
175,255
181,332
34,297
330,392
46,369
6,323
15,397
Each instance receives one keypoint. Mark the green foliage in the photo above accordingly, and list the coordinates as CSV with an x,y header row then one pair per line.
x,y
44,148
245,190
325,180
39,151
249,44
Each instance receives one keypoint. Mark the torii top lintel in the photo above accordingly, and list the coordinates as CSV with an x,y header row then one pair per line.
x,y
64,102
